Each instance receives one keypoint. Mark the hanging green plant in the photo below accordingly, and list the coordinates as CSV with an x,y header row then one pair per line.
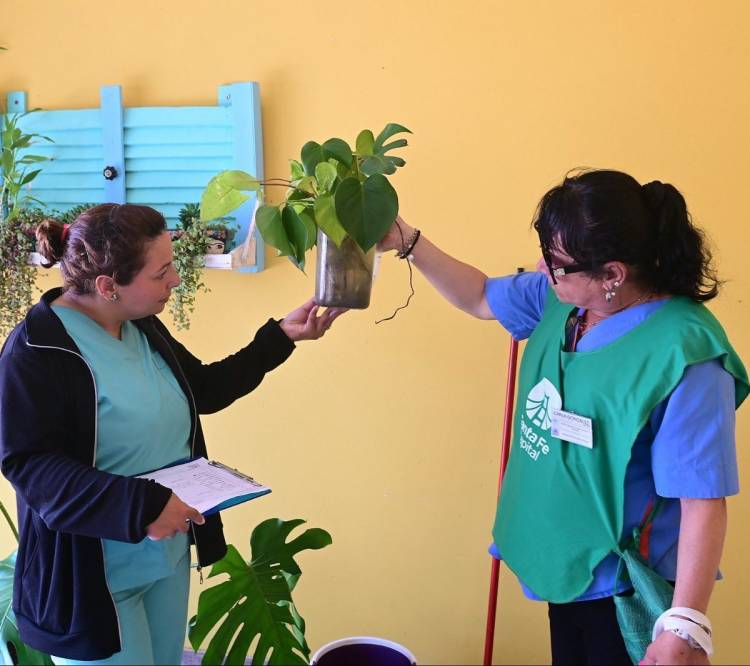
x,y
191,242
256,601
188,251
342,192
18,172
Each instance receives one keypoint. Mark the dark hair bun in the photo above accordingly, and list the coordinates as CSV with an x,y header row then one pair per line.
x,y
49,241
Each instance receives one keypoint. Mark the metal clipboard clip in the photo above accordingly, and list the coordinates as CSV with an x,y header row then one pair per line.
x,y
233,471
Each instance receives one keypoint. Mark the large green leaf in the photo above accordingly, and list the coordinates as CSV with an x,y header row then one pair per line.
x,y
256,601
365,142
8,627
296,232
366,210
325,216
308,218
325,174
339,150
312,155
270,226
223,194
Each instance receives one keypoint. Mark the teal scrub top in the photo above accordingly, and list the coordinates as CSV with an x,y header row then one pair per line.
x,y
143,424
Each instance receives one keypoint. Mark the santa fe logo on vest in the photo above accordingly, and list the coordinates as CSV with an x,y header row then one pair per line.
x,y
537,420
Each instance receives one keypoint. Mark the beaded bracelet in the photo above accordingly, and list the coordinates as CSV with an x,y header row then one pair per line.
x,y
410,243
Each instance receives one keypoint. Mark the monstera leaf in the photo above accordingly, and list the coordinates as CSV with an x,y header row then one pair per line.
x,y
375,149
12,650
255,603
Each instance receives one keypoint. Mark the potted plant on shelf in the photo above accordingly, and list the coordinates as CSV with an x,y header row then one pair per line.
x,y
217,231
337,198
18,172
191,243
255,604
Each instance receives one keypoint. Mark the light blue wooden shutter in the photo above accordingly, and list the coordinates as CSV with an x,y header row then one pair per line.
x,y
74,176
162,156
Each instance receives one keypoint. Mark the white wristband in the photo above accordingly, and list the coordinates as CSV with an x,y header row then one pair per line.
x,y
688,624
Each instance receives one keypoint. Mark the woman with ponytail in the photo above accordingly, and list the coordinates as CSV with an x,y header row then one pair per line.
x,y
626,400
94,390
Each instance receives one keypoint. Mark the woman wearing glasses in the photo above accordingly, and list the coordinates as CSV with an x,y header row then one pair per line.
x,y
626,401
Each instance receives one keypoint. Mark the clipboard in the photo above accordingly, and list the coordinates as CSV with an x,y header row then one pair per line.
x,y
208,486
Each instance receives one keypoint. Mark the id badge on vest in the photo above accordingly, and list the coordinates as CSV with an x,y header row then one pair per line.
x,y
572,428
568,426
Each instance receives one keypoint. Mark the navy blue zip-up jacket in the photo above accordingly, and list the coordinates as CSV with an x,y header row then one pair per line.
x,y
48,433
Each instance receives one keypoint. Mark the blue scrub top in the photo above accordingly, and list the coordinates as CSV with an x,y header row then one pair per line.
x,y
687,448
143,424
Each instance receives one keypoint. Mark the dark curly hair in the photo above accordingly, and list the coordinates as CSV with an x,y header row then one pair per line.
x,y
108,239
597,216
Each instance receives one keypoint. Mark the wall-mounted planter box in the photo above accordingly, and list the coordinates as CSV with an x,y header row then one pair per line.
x,y
157,156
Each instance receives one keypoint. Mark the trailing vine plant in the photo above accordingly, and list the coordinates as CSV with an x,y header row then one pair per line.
x,y
190,244
16,275
189,248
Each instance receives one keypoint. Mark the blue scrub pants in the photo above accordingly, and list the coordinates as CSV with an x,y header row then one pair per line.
x,y
153,621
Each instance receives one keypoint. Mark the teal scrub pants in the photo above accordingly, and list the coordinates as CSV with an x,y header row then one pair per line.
x,y
153,620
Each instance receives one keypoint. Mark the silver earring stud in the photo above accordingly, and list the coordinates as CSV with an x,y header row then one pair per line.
x,y
113,298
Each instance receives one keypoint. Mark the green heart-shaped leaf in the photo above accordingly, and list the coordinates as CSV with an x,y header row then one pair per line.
x,y
312,155
271,228
365,142
366,210
296,232
308,219
339,150
325,216
325,174
223,194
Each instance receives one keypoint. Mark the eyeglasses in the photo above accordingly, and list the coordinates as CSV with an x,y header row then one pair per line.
x,y
562,271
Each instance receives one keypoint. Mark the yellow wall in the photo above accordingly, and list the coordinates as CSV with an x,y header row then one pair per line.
x,y
387,435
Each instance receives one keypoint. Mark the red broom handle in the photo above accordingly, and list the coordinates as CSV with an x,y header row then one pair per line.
x,y
510,392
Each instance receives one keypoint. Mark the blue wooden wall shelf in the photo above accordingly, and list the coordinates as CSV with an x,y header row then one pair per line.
x,y
158,156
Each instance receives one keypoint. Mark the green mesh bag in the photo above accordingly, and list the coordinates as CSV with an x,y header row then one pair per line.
x,y
651,594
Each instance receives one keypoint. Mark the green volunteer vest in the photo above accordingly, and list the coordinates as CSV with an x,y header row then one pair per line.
x,y
561,507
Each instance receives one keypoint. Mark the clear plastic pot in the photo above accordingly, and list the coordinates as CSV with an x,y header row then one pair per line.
x,y
343,276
